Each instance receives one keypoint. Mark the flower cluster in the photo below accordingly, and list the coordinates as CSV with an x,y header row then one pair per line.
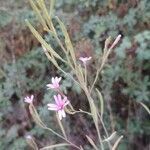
x,y
61,101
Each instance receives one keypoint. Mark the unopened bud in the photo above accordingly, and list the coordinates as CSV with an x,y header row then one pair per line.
x,y
116,41
31,142
107,41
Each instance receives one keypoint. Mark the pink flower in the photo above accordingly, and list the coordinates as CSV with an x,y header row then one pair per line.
x,y
55,83
28,99
85,59
59,105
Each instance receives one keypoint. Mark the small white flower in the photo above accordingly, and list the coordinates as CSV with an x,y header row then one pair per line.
x,y
29,137
28,99
55,83
85,59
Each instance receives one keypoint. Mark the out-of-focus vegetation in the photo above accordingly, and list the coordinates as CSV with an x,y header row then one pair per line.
x,y
124,82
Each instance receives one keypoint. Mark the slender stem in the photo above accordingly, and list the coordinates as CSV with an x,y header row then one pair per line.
x,y
105,130
61,126
104,59
62,138
85,74
81,111
96,125
97,74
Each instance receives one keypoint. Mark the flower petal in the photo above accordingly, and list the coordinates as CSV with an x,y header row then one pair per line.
x,y
53,80
63,113
32,97
28,99
56,100
50,86
59,79
52,107
66,103
60,99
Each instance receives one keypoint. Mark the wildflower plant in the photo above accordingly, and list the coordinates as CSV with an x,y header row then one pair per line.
x,y
79,75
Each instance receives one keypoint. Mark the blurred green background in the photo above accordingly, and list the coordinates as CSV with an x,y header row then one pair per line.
x,y
125,81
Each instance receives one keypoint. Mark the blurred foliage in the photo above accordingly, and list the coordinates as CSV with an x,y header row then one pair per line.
x,y
124,81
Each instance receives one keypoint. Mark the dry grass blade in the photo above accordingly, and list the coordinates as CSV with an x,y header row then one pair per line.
x,y
67,40
52,2
117,143
46,16
146,108
36,117
42,41
101,102
110,137
55,146
31,142
92,142
61,127
37,11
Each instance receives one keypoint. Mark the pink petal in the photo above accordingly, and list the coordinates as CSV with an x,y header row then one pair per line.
x,y
63,113
58,79
56,100
66,103
55,84
53,80
29,99
32,97
89,58
50,86
52,107
85,59
60,99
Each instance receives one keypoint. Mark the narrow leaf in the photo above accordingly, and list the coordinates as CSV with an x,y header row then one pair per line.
x,y
31,142
55,146
146,108
52,2
117,142
67,40
101,102
61,127
92,142
110,137
41,4
35,116
42,41
38,13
